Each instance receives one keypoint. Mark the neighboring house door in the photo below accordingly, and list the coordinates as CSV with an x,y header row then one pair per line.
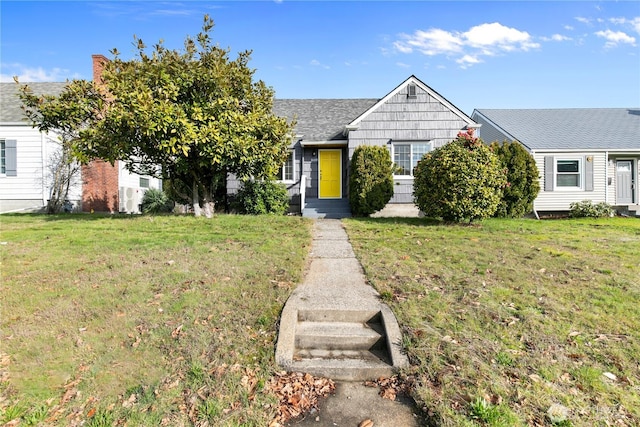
x,y
624,182
330,185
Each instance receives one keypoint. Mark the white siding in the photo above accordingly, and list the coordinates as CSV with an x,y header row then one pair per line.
x,y
561,199
30,188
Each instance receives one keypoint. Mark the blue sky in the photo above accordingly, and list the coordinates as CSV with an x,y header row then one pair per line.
x,y
477,54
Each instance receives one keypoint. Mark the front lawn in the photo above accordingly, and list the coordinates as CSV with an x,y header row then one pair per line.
x,y
514,322
143,320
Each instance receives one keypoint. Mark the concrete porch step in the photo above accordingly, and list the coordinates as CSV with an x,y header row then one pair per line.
x,y
351,369
342,344
339,336
327,208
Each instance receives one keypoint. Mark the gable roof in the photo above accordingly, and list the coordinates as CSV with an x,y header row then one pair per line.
x,y
416,81
321,119
10,111
568,128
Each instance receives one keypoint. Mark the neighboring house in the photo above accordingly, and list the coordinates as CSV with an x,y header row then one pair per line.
x,y
25,157
582,154
409,121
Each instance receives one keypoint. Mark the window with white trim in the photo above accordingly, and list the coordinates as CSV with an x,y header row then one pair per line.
x,y
144,182
3,158
286,173
406,155
568,173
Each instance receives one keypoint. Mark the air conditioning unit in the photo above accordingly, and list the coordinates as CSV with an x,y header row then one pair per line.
x,y
129,200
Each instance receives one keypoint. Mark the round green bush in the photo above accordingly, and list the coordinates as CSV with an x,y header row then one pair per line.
x,y
262,197
156,201
522,179
370,180
460,181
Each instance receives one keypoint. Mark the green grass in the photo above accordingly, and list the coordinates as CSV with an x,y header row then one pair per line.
x,y
146,321
530,312
143,320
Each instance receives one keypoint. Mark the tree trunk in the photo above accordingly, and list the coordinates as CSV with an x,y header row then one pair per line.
x,y
208,205
197,211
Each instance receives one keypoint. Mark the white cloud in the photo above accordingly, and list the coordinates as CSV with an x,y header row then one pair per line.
x,y
496,36
616,37
583,20
35,74
403,65
431,42
468,60
568,27
556,38
633,23
316,63
482,40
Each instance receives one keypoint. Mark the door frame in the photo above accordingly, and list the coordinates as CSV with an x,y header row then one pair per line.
x,y
634,199
320,151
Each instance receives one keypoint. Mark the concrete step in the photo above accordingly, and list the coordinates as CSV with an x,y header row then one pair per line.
x,y
351,369
339,336
342,344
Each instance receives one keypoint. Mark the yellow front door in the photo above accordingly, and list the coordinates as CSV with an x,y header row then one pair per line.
x,y
330,174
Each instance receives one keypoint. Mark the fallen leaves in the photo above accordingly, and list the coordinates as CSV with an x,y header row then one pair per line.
x,y
297,393
393,386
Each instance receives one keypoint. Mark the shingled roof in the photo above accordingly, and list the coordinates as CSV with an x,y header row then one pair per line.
x,y
317,119
10,111
321,119
569,128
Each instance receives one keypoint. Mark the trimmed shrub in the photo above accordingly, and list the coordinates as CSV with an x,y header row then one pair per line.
x,y
155,201
370,180
460,181
262,197
522,179
587,209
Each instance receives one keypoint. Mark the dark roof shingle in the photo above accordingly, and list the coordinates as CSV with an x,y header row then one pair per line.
x,y
321,119
10,111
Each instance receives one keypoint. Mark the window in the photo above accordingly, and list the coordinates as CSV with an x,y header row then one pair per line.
x,y
406,156
3,158
8,157
568,173
286,174
144,182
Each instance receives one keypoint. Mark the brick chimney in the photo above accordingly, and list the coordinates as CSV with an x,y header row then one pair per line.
x,y
99,178
99,61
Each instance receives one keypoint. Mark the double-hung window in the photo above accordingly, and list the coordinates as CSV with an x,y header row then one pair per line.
x,y
286,173
568,173
406,156
144,182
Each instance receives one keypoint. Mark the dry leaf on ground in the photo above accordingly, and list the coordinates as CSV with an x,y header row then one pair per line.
x,y
297,393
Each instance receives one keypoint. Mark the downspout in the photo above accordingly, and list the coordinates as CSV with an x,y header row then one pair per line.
x,y
43,151
606,177
535,212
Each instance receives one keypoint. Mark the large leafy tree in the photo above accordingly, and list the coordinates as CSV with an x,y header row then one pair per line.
x,y
191,116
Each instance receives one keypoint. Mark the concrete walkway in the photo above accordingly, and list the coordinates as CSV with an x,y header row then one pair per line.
x,y
335,282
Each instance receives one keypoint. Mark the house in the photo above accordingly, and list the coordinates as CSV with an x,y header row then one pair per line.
x,y
410,121
26,156
582,154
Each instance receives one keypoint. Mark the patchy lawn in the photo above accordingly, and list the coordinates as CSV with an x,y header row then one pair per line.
x,y
143,320
514,322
